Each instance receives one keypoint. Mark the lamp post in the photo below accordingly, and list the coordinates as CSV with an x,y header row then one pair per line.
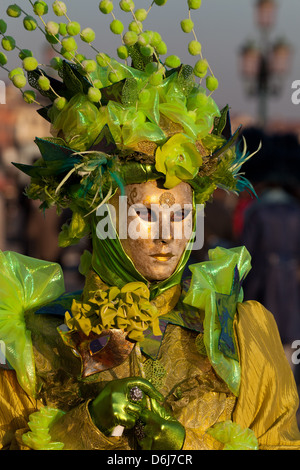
x,y
263,67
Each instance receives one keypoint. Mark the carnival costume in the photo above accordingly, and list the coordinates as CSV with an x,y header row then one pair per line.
x,y
192,365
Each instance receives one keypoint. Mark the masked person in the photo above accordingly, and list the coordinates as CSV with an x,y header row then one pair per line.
x,y
138,359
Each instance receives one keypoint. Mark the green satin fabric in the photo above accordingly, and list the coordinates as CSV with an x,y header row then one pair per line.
x,y
25,285
209,279
115,268
40,422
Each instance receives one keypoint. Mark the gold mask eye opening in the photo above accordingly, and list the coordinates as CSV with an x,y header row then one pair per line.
x,y
98,344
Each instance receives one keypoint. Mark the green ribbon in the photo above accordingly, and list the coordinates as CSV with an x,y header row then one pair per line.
x,y
25,285
211,281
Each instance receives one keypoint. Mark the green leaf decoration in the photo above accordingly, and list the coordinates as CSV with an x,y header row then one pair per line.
x,y
220,122
112,93
56,85
130,92
204,189
43,112
52,150
139,61
228,144
72,81
77,229
186,79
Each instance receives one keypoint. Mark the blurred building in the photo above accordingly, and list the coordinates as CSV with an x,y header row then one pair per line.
x,y
23,226
280,126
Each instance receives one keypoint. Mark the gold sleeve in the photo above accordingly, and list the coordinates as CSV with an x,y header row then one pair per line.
x,y
75,429
78,432
15,408
268,398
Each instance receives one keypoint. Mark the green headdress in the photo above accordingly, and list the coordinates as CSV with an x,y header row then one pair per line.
x,y
115,122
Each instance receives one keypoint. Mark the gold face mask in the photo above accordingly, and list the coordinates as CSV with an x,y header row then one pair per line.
x,y
159,226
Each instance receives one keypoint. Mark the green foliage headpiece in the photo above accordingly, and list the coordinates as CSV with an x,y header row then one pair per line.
x,y
116,122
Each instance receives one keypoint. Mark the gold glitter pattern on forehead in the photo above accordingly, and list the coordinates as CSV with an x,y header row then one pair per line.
x,y
167,198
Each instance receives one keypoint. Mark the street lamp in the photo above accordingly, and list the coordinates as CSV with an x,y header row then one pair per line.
x,y
263,67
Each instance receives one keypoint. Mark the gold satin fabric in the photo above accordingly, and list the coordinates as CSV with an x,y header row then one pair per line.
x,y
193,392
15,408
268,398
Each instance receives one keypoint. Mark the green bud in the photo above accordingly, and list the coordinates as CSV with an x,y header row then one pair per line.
x,y
156,79
17,71
52,39
103,59
80,57
161,48
63,29
150,34
44,83
122,52
69,55
201,100
56,63
106,6
212,83
160,2
194,4
73,28
89,66
52,28
151,67
59,8
94,94
60,103
130,38
194,47
30,63
155,67
98,84
141,14
116,27
40,8
114,77
19,80
135,26
187,25
3,27
126,5
8,43
69,44
155,38
3,59
29,23
173,61
147,51
144,39
88,35
200,69
25,53
14,11
29,96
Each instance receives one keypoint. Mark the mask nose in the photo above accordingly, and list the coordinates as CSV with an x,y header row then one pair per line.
x,y
165,227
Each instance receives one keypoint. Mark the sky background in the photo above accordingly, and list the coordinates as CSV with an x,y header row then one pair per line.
x,y
222,26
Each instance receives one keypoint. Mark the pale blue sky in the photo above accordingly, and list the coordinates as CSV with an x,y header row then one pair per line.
x,y
221,25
